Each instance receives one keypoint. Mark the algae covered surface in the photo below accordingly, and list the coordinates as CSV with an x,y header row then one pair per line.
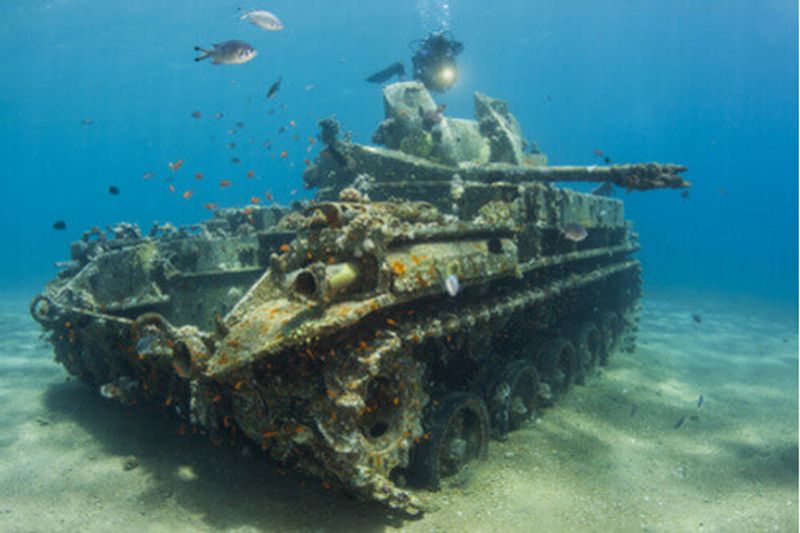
x,y
607,457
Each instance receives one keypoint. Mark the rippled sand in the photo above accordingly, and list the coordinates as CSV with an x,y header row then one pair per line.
x,y
70,460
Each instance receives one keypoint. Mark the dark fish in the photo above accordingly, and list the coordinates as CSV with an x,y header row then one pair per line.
x,y
295,137
680,422
634,410
196,114
227,53
59,225
231,145
598,152
281,129
604,189
87,121
684,194
113,190
284,106
607,160
271,111
235,160
697,318
274,88
240,125
722,191
701,401
395,69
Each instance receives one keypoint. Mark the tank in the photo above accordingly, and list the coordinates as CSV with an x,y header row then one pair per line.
x,y
443,289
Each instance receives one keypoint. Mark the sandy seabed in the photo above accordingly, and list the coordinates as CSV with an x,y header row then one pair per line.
x,y
607,458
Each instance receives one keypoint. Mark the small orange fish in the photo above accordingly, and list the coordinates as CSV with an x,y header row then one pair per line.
x,y
225,183
255,200
247,210
198,175
284,154
187,194
175,165
311,140
210,207
250,173
268,196
292,123
307,162
283,248
171,188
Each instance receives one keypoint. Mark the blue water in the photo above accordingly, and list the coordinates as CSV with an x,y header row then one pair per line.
x,y
710,84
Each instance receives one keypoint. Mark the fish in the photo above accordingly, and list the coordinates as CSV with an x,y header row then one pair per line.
x,y
451,284
113,190
59,225
701,401
218,115
196,114
697,318
395,69
210,206
684,194
296,137
263,19
268,196
311,140
231,145
274,88
309,86
87,121
171,188
574,232
598,152
198,175
235,160
255,200
606,160
284,154
175,165
187,194
228,53
281,129
634,410
225,183
250,173
240,125
148,175
292,123
680,422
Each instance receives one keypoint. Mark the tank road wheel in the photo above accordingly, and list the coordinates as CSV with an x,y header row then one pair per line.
x,y
612,327
557,364
590,346
513,397
458,433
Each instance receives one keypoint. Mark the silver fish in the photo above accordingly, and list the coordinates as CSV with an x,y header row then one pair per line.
x,y
451,285
263,19
228,53
574,232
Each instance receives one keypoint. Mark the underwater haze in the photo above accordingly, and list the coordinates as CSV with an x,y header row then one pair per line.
x,y
106,117
712,85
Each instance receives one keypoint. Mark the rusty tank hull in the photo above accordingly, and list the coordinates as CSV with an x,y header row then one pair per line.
x,y
377,337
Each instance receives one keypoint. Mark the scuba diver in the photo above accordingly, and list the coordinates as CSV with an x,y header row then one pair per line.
x,y
433,62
